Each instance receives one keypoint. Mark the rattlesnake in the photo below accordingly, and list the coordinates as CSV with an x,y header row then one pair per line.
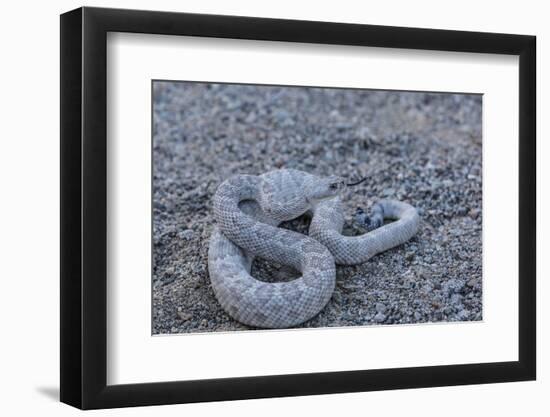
x,y
248,209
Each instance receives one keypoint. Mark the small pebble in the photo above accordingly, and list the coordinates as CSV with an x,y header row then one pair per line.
x,y
185,316
379,318
380,308
186,234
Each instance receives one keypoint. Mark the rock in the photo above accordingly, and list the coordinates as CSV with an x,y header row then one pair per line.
x,y
387,192
186,234
456,299
463,314
452,286
380,308
472,282
474,213
185,316
461,211
379,318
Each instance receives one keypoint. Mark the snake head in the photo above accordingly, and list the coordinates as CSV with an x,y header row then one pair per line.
x,y
323,188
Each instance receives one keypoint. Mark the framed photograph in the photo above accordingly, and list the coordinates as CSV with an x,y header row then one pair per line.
x,y
257,208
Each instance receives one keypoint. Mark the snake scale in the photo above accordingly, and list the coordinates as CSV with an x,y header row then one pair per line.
x,y
248,209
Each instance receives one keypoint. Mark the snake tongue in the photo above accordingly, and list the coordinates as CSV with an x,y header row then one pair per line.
x,y
357,182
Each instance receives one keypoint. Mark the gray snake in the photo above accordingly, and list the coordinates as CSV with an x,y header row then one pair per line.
x,y
248,209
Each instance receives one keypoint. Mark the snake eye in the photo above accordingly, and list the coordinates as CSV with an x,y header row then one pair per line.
x,y
333,186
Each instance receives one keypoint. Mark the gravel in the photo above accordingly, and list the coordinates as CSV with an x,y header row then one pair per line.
x,y
422,148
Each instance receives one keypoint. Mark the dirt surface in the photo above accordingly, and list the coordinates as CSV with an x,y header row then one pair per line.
x,y
421,148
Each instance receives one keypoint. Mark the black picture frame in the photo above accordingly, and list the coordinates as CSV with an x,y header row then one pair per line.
x,y
84,207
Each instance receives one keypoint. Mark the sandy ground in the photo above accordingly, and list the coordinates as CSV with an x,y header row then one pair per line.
x,y
424,149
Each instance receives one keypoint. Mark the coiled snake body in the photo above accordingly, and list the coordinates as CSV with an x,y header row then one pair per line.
x,y
248,209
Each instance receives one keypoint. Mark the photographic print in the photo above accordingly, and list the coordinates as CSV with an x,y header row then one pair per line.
x,y
278,207
340,202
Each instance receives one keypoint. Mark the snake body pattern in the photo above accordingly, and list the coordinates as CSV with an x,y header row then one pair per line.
x,y
248,209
